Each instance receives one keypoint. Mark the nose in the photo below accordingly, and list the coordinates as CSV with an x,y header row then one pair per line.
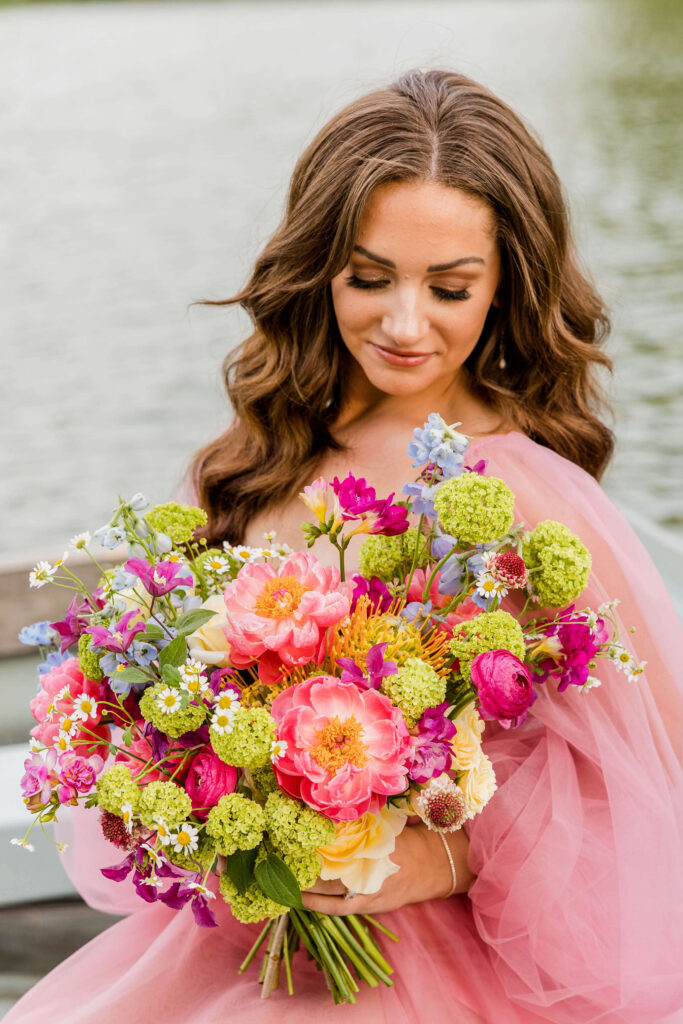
x,y
404,322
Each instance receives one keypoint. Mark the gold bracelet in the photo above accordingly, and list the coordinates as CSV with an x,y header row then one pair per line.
x,y
450,861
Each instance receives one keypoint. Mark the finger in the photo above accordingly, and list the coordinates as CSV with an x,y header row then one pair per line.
x,y
330,888
337,905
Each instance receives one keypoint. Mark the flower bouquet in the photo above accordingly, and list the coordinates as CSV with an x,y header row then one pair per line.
x,y
252,714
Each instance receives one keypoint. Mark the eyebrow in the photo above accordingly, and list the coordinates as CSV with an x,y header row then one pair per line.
x,y
435,268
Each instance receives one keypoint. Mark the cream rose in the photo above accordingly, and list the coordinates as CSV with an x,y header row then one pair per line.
x,y
208,643
478,785
359,855
466,744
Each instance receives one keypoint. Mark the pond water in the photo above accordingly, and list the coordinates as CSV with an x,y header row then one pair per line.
x,y
146,152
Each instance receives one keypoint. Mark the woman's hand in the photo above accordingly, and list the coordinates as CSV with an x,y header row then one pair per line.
x,y
424,874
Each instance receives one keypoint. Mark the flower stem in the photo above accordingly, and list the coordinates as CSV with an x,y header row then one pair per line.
x,y
255,948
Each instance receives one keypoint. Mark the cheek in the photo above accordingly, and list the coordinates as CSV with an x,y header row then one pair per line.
x,y
353,310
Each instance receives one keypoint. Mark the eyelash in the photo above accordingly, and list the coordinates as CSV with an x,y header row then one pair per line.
x,y
442,294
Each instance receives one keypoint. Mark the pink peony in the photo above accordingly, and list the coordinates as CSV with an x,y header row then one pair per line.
x,y
58,707
281,616
139,757
346,750
208,779
503,686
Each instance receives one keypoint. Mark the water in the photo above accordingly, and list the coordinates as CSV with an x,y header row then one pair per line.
x,y
146,153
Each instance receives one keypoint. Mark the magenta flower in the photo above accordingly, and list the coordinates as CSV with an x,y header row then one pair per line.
x,y
208,779
390,520
346,749
377,667
77,774
580,644
158,579
189,891
73,624
431,750
375,590
120,640
503,685
359,502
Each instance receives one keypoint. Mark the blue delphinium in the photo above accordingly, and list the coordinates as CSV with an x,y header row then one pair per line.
x,y
422,495
110,536
439,444
38,634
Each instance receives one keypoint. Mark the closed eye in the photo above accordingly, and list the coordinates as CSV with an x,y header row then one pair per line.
x,y
442,294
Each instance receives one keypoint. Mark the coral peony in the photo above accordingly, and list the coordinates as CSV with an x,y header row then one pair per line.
x,y
347,749
503,686
282,615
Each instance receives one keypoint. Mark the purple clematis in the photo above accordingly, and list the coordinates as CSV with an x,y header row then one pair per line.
x,y
120,640
189,891
158,579
73,624
377,667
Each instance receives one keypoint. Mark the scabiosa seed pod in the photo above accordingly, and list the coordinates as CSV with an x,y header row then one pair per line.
x,y
114,830
509,568
441,805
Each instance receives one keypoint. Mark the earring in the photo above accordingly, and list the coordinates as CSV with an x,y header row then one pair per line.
x,y
502,362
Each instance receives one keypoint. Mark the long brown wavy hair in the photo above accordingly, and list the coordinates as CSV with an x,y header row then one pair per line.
x,y
284,380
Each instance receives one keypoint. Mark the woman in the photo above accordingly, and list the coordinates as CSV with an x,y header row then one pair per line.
x,y
424,264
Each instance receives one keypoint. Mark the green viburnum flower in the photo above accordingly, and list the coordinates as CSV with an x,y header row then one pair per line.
x,y
235,823
390,558
293,827
250,906
559,564
116,788
154,706
413,689
264,780
305,866
89,660
204,857
490,631
177,521
164,800
475,509
247,744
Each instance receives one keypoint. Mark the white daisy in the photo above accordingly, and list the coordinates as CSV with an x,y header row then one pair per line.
x,y
186,839
608,606
59,562
23,842
41,574
168,700
202,889
269,536
218,565
488,587
80,540
62,742
163,834
277,749
228,700
68,725
192,676
243,553
155,856
223,722
636,671
127,817
591,683
84,707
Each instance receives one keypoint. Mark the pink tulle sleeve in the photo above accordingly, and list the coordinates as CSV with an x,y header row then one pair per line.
x,y
578,894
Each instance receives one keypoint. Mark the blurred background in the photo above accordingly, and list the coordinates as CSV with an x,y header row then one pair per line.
x,y
147,149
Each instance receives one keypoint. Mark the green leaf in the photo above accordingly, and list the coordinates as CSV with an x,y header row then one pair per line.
x,y
132,675
152,632
190,621
276,880
171,676
127,736
174,654
240,868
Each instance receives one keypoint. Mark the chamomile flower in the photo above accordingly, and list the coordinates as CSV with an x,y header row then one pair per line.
x,y
608,606
223,722
277,749
41,574
636,671
168,700
202,890
217,565
242,553
155,856
621,658
63,742
228,700
84,707
80,540
193,679
163,833
127,817
23,842
592,621
68,725
591,683
489,587
174,556
59,562
186,839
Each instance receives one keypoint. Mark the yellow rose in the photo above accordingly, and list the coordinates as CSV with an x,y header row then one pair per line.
x,y
466,744
208,643
359,855
478,785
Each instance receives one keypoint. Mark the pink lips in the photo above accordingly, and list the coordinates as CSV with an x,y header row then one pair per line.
x,y
403,358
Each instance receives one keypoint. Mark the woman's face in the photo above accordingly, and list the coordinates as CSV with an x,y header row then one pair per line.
x,y
412,301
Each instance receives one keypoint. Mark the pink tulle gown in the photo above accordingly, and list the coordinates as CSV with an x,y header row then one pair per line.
x,y
575,915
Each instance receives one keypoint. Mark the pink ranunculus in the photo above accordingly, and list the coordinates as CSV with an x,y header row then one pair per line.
x,y
283,612
77,774
504,687
208,779
346,749
466,610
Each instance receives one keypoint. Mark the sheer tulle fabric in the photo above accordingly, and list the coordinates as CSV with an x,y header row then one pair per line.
x,y
576,914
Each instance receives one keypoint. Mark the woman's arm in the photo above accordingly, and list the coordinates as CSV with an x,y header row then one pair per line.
x,y
424,874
